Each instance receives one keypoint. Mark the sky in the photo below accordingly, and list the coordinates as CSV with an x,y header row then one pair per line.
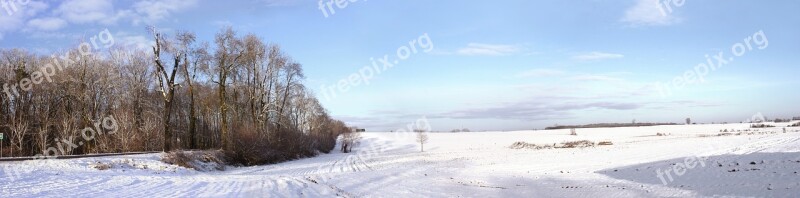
x,y
482,65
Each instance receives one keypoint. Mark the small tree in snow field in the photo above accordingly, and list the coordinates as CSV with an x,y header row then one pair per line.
x,y
422,138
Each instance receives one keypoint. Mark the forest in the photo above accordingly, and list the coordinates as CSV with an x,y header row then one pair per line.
x,y
237,93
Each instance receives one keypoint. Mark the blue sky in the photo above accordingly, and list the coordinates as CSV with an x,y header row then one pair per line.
x,y
493,65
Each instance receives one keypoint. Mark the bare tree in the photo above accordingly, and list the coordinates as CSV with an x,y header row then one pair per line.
x,y
422,138
194,58
349,140
166,84
19,128
227,59
246,86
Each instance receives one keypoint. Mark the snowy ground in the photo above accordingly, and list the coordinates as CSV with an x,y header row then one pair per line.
x,y
478,164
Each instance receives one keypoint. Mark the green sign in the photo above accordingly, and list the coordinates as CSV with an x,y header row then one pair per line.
x,y
1,136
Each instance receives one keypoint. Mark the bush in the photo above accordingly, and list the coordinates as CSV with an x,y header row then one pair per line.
x,y
199,160
525,145
101,166
569,144
605,143
760,126
577,144
572,132
176,158
278,145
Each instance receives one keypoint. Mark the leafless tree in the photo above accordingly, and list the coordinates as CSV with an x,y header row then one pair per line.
x,y
166,83
227,59
350,140
245,85
19,128
422,138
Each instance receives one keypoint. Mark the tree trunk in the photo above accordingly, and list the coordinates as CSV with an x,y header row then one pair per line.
x,y
167,131
192,121
192,114
223,113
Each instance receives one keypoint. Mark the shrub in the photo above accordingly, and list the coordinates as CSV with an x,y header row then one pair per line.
x,y
605,143
569,144
572,132
254,147
577,144
760,126
525,145
176,158
199,160
101,166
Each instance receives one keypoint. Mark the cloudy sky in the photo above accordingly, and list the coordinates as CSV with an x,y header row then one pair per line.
x,y
491,65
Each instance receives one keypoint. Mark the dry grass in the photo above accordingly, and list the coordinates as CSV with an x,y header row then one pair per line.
x,y
198,160
525,145
761,126
101,166
577,144
605,143
568,144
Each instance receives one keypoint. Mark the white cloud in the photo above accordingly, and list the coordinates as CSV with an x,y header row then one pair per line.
x,y
479,49
135,41
47,24
104,12
540,73
87,11
280,3
16,20
649,12
151,10
222,23
49,35
594,78
597,56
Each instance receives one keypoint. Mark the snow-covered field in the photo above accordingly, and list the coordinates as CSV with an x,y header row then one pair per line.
x,y
477,164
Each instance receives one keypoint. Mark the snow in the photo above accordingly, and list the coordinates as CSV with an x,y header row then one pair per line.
x,y
470,164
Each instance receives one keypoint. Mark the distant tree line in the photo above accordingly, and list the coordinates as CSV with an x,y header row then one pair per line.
x,y
605,125
237,93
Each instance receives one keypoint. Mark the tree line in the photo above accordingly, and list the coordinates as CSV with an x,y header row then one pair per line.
x,y
237,93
